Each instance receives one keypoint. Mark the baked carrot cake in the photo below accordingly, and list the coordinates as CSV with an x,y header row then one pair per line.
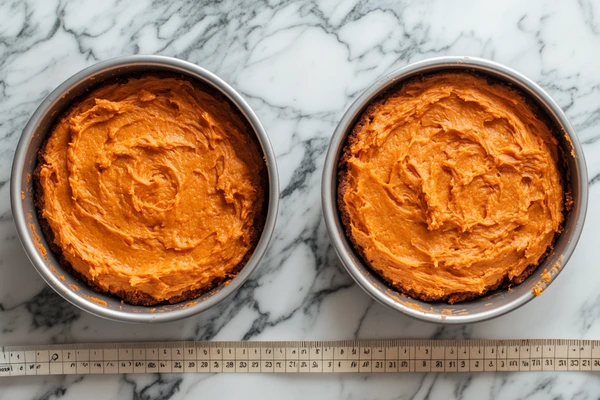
x,y
451,186
152,188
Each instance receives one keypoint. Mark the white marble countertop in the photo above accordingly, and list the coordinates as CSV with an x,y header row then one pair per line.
x,y
300,64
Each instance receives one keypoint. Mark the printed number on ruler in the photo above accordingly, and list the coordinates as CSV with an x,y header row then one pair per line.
x,y
303,357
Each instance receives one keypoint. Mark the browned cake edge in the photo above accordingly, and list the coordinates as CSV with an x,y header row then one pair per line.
x,y
137,297
505,282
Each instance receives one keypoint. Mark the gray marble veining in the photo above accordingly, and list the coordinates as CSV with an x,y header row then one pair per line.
x,y
300,64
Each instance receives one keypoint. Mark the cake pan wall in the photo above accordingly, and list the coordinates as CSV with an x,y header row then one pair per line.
x,y
495,303
22,194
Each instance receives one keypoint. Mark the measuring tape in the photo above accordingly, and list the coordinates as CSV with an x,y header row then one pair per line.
x,y
304,357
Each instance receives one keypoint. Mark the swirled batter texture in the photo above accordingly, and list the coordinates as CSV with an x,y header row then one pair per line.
x,y
153,189
450,187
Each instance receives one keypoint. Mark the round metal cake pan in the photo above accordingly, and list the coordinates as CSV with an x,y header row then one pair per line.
x,y
26,217
493,304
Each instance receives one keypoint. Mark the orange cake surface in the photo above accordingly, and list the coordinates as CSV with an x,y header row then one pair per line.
x,y
450,186
152,189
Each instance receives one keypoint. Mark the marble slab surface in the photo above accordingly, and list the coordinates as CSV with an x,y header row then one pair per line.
x,y
300,64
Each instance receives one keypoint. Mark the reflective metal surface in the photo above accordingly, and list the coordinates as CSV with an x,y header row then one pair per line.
x,y
496,303
22,200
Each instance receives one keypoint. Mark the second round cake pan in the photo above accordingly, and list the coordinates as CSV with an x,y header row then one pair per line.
x,y
495,303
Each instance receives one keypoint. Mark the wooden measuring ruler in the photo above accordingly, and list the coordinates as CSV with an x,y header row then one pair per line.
x,y
367,356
